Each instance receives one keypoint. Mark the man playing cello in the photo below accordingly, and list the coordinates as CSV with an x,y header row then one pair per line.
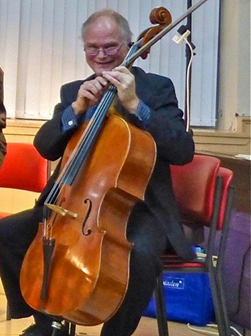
x,y
148,101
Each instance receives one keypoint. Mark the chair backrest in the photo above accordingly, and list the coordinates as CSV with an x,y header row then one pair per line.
x,y
24,168
194,188
227,177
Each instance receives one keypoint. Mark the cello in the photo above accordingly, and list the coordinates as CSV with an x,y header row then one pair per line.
x,y
79,260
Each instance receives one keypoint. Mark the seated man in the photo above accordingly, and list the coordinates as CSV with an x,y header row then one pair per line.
x,y
147,101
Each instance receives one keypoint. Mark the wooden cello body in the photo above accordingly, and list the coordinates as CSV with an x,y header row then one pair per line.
x,y
89,267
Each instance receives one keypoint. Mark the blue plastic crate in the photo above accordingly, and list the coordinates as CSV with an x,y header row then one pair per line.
x,y
188,298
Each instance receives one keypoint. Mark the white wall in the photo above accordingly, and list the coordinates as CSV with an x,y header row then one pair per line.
x,y
40,50
234,76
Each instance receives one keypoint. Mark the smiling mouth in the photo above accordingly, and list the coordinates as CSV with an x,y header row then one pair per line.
x,y
105,63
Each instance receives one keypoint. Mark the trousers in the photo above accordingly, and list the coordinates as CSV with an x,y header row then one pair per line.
x,y
18,231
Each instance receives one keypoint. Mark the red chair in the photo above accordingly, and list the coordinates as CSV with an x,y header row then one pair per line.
x,y
24,169
201,188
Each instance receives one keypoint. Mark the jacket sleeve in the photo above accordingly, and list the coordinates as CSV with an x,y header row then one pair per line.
x,y
166,125
50,141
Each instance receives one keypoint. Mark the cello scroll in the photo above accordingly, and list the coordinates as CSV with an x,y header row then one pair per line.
x,y
160,16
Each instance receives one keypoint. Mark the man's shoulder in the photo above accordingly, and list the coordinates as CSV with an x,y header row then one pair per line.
x,y
72,85
141,75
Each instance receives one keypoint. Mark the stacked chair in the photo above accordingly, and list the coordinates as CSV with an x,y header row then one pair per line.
x,y
204,195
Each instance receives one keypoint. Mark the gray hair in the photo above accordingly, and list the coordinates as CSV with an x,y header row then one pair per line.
x,y
126,33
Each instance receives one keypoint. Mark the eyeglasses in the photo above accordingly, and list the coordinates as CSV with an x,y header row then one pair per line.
x,y
109,50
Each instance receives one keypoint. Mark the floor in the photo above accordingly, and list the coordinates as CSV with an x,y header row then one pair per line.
x,y
147,326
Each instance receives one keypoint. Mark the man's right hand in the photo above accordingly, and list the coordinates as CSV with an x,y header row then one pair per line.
x,y
89,94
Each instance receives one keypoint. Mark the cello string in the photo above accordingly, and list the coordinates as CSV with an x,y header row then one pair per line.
x,y
84,142
72,161
89,132
129,60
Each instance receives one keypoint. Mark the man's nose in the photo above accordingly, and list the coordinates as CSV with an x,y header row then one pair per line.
x,y
101,52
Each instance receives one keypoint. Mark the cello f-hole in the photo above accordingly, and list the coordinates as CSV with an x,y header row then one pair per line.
x,y
89,204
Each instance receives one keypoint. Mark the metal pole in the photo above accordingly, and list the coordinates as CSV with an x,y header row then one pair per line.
x,y
189,27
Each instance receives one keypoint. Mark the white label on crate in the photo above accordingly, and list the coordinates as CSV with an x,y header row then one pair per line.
x,y
177,283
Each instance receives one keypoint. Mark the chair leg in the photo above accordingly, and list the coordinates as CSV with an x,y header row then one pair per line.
x,y
222,298
161,307
8,317
71,327
67,325
56,327
223,329
220,261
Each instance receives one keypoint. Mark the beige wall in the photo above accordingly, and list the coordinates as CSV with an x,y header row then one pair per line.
x,y
234,63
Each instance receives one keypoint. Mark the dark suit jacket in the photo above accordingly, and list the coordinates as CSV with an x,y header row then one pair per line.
x,y
174,146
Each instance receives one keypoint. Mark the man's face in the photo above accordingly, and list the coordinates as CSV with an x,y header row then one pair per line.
x,y
103,45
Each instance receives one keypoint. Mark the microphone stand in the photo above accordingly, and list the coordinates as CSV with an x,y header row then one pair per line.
x,y
189,38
